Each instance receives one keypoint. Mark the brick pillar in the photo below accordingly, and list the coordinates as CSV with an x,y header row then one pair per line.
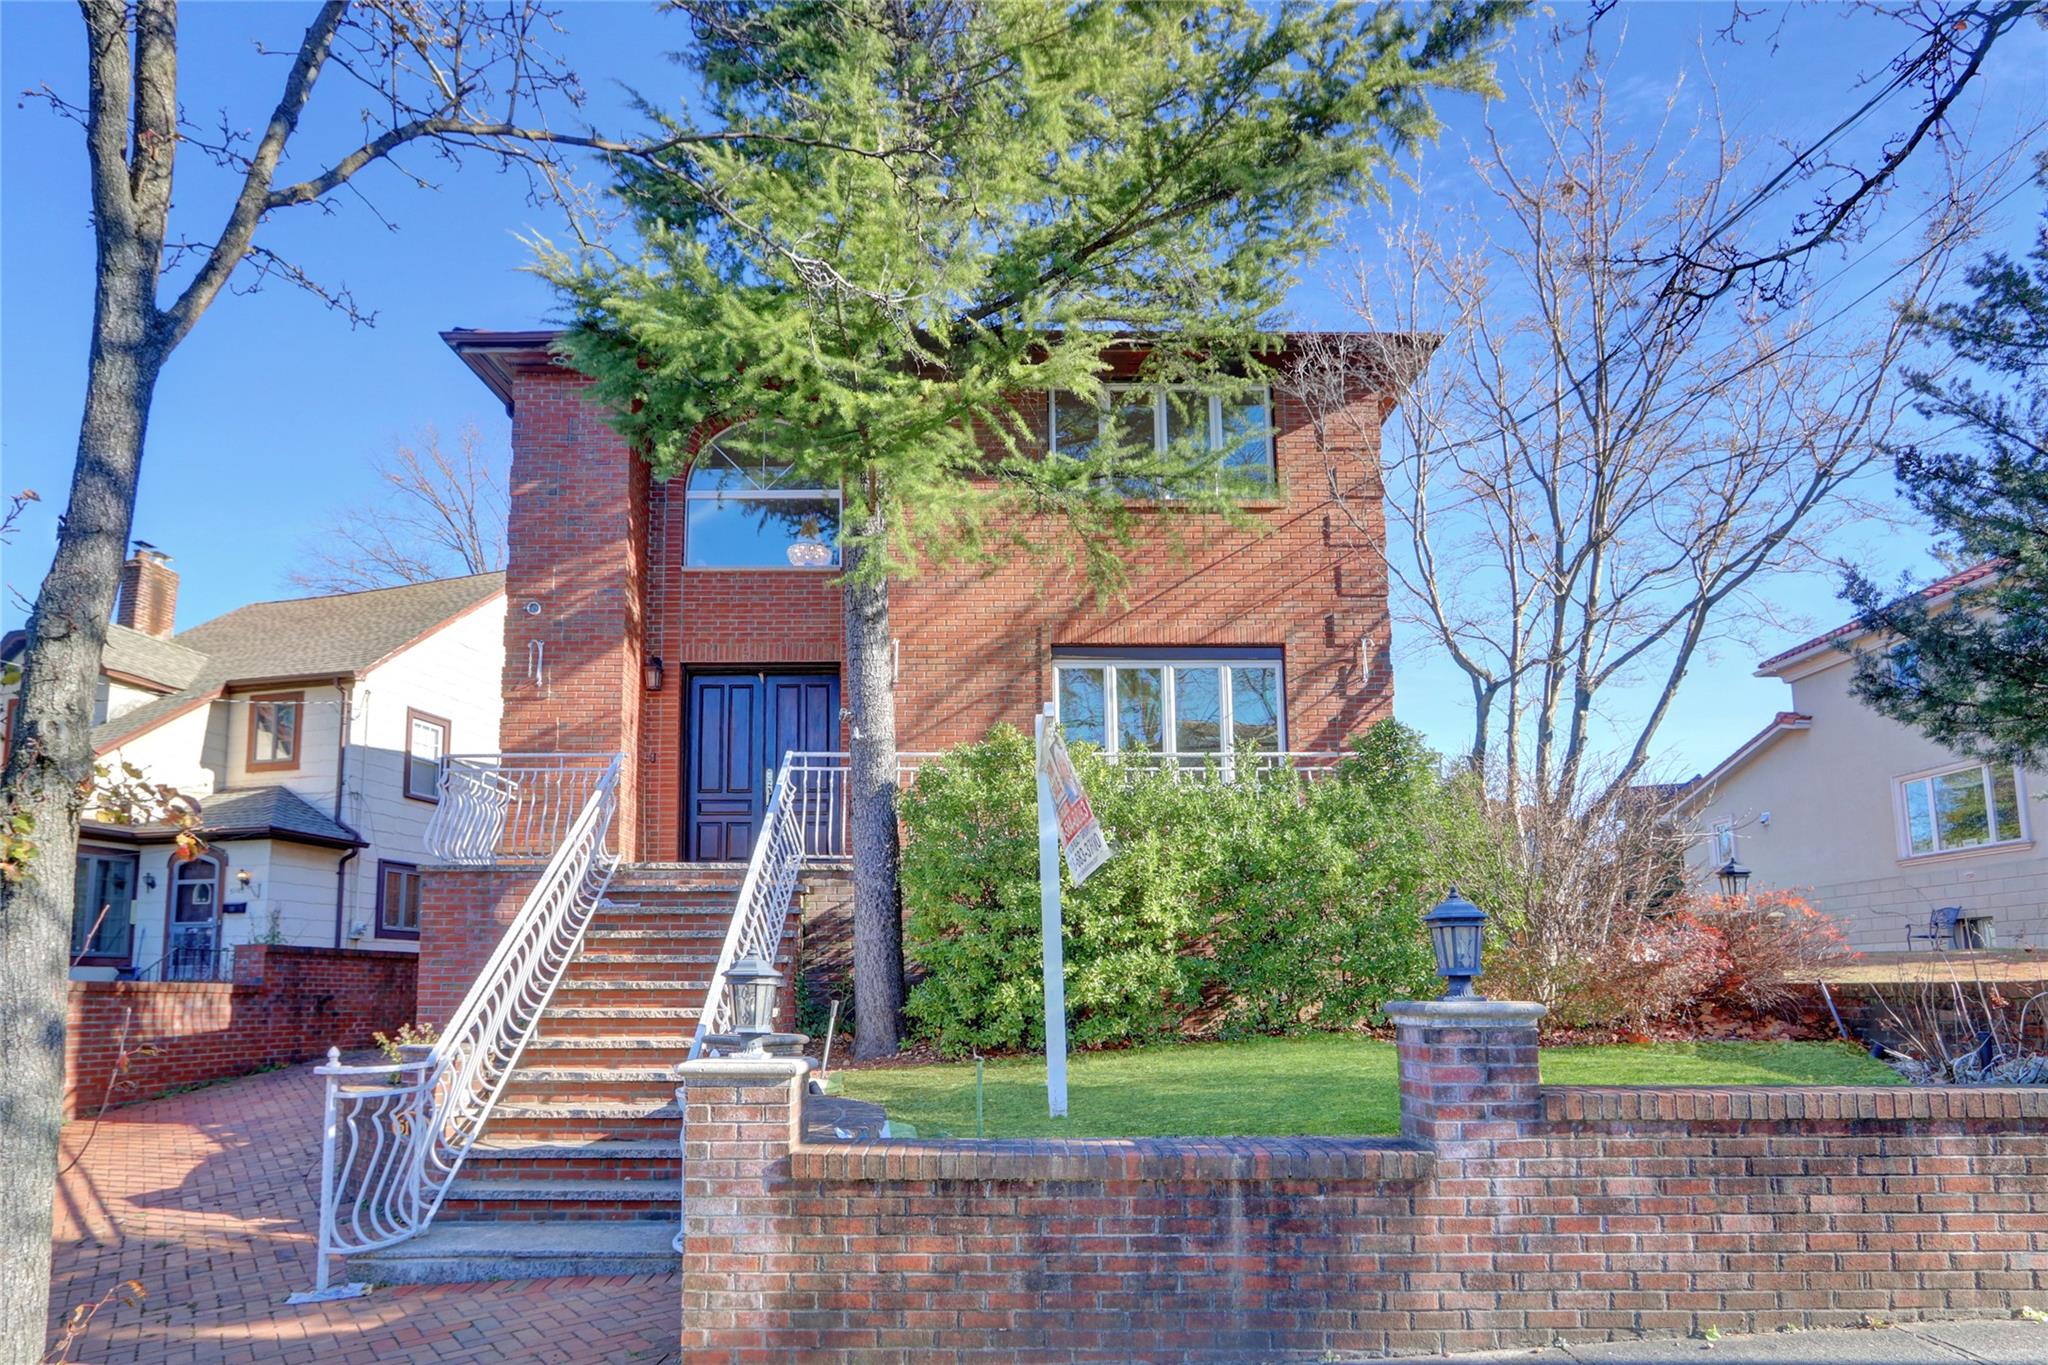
x,y
1468,1069
740,1117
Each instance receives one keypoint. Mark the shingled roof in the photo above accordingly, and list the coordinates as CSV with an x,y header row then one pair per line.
x,y
251,813
166,663
343,635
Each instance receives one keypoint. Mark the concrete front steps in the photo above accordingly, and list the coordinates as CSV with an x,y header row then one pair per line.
x,y
578,1170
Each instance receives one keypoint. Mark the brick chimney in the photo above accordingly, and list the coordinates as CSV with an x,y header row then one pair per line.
x,y
149,592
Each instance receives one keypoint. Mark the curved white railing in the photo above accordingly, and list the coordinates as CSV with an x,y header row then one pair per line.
x,y
510,807
396,1134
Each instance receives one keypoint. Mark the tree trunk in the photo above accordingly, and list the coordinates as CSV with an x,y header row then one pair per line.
x,y
877,908
49,776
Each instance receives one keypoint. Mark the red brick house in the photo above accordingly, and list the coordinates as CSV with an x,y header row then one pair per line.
x,y
654,623
666,647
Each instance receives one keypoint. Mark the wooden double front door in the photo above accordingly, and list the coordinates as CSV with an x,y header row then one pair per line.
x,y
737,728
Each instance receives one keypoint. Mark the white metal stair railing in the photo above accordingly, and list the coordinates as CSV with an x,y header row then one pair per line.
x,y
394,1135
498,808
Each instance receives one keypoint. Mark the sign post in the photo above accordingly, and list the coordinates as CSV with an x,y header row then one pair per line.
x,y
1065,821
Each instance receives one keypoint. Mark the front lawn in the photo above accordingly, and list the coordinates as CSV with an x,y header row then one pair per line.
x,y
1325,1085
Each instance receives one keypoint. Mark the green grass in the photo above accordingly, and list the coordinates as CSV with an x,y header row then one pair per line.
x,y
1323,1085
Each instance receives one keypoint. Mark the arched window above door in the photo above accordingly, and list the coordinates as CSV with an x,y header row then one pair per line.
x,y
747,509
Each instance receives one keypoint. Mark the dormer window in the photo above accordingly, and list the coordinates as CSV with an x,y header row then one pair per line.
x,y
275,720
748,509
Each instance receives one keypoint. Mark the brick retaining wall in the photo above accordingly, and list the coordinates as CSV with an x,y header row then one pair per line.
x,y
464,912
1509,1214
285,1005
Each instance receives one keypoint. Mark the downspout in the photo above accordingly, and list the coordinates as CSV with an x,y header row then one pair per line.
x,y
347,687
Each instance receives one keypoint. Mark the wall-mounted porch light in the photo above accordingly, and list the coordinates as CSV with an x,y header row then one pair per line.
x,y
651,672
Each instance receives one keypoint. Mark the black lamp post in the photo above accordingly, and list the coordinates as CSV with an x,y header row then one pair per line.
x,y
1734,877
1457,933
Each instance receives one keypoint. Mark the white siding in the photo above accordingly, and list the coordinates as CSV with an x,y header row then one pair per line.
x,y
453,675
173,752
319,742
1833,828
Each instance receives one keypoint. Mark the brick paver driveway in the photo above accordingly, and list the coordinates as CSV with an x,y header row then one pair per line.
x,y
209,1200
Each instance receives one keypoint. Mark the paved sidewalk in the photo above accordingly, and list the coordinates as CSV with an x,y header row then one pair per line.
x,y
2008,1342
209,1199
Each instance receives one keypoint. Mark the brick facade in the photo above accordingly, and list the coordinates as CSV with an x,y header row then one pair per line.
x,y
599,550
1513,1215
464,912
286,1004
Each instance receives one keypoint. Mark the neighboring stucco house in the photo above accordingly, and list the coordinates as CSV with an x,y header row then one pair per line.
x,y
311,731
1875,824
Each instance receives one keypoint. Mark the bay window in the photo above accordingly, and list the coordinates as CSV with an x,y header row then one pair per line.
x,y
1178,702
1974,806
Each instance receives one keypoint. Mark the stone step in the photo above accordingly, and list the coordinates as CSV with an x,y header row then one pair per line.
x,y
569,1021
611,940
577,1121
468,1252
605,1050
626,985
530,1201
602,1158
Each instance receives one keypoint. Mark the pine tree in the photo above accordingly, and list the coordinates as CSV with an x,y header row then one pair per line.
x,y
918,211
1973,674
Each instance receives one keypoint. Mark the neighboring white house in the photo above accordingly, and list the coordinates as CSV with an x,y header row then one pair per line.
x,y
1876,825
311,733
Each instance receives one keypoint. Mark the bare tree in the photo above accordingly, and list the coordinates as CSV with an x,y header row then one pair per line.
x,y
443,80
440,513
1594,478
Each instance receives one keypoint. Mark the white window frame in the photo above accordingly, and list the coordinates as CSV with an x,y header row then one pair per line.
x,y
1903,825
836,496
1159,397
1170,720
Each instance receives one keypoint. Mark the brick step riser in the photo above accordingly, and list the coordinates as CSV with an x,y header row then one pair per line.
x,y
586,993
649,1093
576,1170
559,1027
558,1210
699,927
541,1054
586,1130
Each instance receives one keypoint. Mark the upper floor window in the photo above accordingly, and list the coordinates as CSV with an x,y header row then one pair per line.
x,y
426,744
275,720
1173,703
1149,417
747,509
1960,808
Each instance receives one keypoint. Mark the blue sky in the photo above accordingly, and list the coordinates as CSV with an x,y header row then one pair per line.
x,y
267,416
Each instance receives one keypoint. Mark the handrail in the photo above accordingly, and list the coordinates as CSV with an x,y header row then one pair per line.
x,y
509,807
395,1134
761,910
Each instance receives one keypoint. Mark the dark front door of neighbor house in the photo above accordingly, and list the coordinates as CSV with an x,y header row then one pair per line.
x,y
739,727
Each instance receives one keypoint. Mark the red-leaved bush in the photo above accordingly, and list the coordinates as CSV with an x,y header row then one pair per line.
x,y
1695,954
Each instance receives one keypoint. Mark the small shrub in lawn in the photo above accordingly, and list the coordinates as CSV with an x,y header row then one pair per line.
x,y
1270,904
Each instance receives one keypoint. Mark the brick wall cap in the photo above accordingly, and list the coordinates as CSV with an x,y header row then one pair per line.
x,y
739,1068
1469,1013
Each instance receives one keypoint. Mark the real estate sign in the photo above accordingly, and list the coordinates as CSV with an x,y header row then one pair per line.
x,y
1080,834
1065,821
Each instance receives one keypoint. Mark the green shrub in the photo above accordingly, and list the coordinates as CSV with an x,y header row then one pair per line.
x,y
1267,905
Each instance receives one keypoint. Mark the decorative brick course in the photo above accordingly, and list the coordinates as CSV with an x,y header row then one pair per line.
x,y
1526,1214
285,1004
